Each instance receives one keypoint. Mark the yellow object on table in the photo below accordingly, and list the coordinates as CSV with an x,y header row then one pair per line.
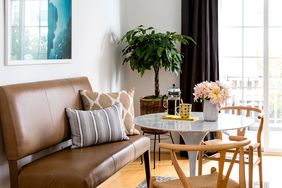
x,y
175,117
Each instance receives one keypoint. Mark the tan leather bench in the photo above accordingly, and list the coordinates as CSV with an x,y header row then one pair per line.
x,y
37,138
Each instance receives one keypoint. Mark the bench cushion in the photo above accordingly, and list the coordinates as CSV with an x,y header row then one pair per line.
x,y
83,167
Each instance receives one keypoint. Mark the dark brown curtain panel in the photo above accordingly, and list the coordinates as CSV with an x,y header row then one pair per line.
x,y
199,20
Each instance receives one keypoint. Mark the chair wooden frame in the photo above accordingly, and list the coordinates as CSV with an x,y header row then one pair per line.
x,y
248,150
236,143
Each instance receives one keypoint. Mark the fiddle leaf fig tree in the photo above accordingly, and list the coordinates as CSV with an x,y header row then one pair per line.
x,y
147,49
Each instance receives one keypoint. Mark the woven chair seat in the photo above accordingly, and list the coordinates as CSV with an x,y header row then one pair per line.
x,y
219,141
206,181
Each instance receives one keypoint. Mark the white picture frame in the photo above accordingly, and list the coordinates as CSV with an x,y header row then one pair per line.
x,y
38,32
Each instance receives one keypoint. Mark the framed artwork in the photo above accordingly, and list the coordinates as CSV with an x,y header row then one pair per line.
x,y
38,31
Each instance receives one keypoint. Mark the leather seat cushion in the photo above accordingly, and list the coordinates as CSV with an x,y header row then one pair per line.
x,y
84,167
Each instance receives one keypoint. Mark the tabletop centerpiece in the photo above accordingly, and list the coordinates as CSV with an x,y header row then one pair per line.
x,y
212,94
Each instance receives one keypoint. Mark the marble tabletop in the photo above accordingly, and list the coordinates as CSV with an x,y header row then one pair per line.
x,y
224,122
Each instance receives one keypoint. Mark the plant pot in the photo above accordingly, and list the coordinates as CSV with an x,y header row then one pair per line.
x,y
210,111
149,106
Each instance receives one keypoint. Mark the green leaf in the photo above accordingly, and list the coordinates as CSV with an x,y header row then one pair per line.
x,y
138,52
160,51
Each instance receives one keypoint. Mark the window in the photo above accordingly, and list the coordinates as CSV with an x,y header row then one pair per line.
x,y
29,27
250,38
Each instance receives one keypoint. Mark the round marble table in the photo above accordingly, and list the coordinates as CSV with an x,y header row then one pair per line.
x,y
193,132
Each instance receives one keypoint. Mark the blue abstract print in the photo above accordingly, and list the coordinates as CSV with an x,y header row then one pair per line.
x,y
59,29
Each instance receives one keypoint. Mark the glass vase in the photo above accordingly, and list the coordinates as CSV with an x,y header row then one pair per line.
x,y
210,111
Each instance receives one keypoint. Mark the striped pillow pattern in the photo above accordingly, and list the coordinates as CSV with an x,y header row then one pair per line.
x,y
97,126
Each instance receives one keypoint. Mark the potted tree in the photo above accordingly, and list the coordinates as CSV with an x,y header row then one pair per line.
x,y
146,49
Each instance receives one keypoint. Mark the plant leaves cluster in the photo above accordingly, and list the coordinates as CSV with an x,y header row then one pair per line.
x,y
147,49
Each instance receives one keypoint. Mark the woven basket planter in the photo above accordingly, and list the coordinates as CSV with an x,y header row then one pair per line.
x,y
149,106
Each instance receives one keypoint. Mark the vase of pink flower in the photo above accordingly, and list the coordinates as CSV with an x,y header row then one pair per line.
x,y
212,94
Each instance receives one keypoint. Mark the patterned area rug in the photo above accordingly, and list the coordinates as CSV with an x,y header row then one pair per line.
x,y
162,179
143,184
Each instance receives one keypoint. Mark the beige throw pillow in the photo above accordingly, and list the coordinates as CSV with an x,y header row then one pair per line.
x,y
96,101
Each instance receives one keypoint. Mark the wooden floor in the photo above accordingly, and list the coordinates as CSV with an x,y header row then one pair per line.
x,y
134,173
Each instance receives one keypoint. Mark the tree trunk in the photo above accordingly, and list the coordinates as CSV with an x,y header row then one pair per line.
x,y
157,86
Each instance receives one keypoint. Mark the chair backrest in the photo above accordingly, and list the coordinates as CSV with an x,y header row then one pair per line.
x,y
248,112
235,142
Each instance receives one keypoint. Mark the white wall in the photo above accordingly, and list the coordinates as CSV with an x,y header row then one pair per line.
x,y
96,26
163,15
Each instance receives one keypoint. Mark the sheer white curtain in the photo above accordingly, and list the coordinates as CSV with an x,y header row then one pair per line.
x,y
250,59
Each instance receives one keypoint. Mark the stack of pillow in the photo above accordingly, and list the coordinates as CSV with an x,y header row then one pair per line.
x,y
107,117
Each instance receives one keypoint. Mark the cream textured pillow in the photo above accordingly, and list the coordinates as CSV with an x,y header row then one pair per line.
x,y
95,101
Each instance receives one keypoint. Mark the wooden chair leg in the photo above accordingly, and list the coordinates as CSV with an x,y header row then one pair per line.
x,y
200,163
251,166
260,167
242,178
260,175
147,166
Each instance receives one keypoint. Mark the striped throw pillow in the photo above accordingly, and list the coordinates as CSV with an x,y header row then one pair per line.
x,y
96,126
